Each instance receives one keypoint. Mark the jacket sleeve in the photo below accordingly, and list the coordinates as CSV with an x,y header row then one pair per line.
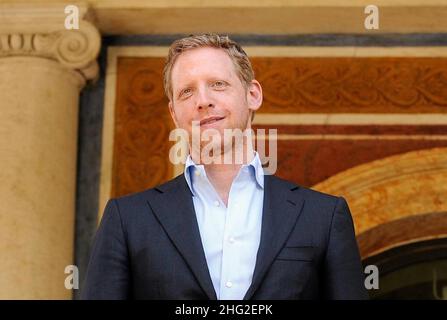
x,y
344,277
108,269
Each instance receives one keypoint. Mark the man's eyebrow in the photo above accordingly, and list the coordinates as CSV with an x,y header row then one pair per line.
x,y
220,78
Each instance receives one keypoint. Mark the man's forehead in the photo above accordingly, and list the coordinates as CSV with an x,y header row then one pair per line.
x,y
203,60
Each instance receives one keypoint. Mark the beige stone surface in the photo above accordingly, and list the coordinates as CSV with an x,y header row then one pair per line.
x,y
38,139
43,67
260,17
389,189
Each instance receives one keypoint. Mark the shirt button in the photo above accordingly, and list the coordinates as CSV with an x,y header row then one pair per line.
x,y
231,240
229,284
197,173
216,203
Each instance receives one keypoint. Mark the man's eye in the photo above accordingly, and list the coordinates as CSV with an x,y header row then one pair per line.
x,y
185,92
219,84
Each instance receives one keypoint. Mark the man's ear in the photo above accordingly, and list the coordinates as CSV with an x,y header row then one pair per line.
x,y
254,95
172,112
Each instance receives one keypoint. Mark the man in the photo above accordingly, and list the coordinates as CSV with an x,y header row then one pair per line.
x,y
222,230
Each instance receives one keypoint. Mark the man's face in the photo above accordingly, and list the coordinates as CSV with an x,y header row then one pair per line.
x,y
207,89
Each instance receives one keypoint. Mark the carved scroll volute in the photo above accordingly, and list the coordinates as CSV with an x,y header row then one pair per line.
x,y
39,30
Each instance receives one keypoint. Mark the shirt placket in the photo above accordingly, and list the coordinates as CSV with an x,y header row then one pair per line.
x,y
228,286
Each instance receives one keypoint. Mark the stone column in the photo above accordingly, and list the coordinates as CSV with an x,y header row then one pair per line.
x,y
43,68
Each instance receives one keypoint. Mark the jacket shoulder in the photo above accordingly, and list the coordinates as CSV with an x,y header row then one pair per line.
x,y
309,194
136,201
317,205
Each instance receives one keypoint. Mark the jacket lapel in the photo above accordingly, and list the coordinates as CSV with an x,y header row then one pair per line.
x,y
280,212
174,208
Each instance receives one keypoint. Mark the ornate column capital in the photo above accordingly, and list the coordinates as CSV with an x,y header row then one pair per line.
x,y
38,30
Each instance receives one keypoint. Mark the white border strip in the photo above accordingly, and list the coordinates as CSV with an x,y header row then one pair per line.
x,y
298,51
357,137
106,171
350,119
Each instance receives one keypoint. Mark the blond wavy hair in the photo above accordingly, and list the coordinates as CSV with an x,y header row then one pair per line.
x,y
240,59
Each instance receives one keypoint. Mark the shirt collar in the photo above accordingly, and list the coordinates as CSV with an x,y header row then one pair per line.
x,y
255,165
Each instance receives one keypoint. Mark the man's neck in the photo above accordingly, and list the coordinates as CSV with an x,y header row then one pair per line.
x,y
221,176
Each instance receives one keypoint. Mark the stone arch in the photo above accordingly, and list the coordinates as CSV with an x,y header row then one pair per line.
x,y
395,200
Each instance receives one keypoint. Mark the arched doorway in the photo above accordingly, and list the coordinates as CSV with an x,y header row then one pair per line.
x,y
413,271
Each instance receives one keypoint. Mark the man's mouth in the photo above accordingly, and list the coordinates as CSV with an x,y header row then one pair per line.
x,y
210,120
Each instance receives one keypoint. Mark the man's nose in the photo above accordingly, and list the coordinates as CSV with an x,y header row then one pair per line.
x,y
203,99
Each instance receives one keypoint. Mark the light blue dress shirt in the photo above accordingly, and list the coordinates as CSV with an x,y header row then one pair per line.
x,y
230,235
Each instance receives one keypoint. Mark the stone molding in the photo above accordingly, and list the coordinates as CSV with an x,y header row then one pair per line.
x,y
39,31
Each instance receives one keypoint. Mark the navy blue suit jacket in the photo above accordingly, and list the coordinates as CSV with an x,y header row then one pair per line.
x,y
148,246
